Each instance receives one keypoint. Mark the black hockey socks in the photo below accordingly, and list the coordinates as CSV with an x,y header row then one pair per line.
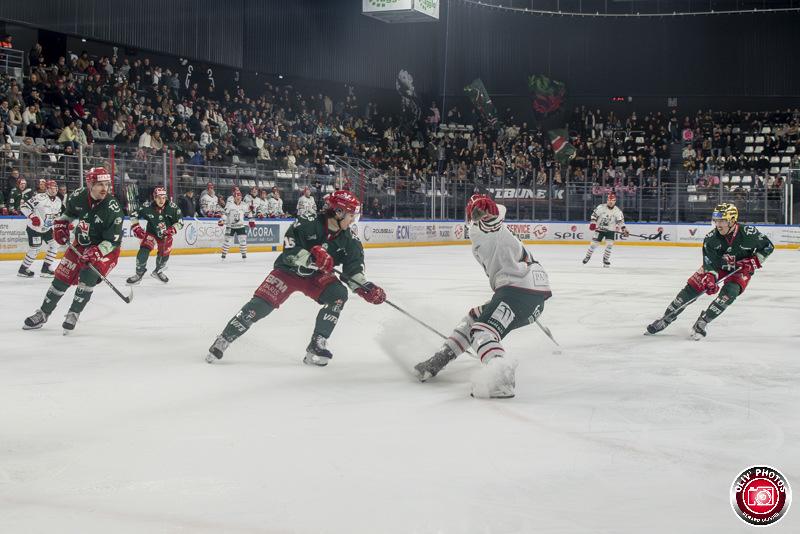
x,y
725,298
251,312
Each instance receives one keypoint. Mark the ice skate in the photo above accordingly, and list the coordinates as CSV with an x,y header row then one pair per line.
x,y
431,367
135,280
222,258
24,272
160,276
656,326
244,257
606,263
317,353
586,259
47,272
495,380
699,328
216,350
69,322
35,321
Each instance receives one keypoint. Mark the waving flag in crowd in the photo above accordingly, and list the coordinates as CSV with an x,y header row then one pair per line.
x,y
480,98
548,95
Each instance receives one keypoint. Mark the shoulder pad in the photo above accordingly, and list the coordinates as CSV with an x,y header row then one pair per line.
x,y
711,234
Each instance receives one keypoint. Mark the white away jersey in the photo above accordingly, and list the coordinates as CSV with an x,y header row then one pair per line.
x,y
608,219
306,206
44,207
506,261
274,207
235,214
209,205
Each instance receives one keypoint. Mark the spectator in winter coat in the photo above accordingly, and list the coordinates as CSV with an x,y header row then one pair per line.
x,y
186,204
376,210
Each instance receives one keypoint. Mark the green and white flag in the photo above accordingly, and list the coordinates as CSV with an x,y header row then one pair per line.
x,y
559,141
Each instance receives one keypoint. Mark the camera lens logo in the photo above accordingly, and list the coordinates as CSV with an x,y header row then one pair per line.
x,y
761,495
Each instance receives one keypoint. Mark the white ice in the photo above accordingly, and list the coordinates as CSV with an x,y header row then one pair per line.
x,y
123,428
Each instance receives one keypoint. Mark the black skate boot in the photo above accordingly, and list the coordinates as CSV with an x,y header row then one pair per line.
x,y
606,263
244,256
36,320
158,275
47,272
70,319
431,367
135,280
216,350
24,272
586,259
316,353
656,326
699,329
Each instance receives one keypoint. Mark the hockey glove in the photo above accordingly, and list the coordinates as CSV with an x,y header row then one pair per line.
x,y
61,231
170,231
92,255
138,231
748,265
36,221
592,227
220,223
371,293
625,232
709,282
252,224
322,259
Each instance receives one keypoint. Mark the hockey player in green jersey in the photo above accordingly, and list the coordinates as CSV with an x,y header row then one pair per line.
x,y
97,217
312,246
162,219
731,247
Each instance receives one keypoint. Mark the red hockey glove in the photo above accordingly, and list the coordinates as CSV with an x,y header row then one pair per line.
x,y
592,227
252,224
322,259
220,223
625,232
36,221
92,255
138,231
371,293
171,231
61,231
748,265
149,241
709,282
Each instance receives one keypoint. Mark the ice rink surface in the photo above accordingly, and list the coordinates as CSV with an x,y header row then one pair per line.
x,y
122,427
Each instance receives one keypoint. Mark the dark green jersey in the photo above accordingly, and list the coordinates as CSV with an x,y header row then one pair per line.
x,y
17,197
309,231
96,223
156,220
747,241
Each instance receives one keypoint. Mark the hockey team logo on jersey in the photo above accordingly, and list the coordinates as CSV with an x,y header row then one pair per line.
x,y
761,495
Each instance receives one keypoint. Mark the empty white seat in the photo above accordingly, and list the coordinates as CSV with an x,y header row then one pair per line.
x,y
786,159
640,140
766,130
785,170
622,159
736,130
774,159
760,140
748,149
727,179
748,139
747,180
746,187
790,150
759,149
736,179
774,170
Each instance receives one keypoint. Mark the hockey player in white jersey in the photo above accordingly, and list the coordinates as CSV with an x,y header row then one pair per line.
x,y
261,204
520,286
607,220
275,204
306,204
233,219
41,210
209,203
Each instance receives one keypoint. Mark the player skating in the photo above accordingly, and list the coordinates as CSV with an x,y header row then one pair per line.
x,y
162,219
731,249
520,286
41,211
606,221
233,219
98,235
311,248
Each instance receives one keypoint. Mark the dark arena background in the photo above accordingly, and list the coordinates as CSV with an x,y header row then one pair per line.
x,y
616,167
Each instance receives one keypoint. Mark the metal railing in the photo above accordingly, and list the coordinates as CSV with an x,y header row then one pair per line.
x,y
664,196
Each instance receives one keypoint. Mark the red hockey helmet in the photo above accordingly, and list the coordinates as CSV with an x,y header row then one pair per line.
x,y
344,201
474,200
159,192
97,174
51,183
612,196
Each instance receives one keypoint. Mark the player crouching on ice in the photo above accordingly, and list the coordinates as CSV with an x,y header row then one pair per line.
x,y
98,235
606,219
520,287
313,245
729,248
162,219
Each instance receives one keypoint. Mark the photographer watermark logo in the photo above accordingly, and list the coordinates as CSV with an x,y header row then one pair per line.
x,y
761,495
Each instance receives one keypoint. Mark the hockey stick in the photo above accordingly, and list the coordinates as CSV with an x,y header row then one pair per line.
x,y
674,313
127,298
